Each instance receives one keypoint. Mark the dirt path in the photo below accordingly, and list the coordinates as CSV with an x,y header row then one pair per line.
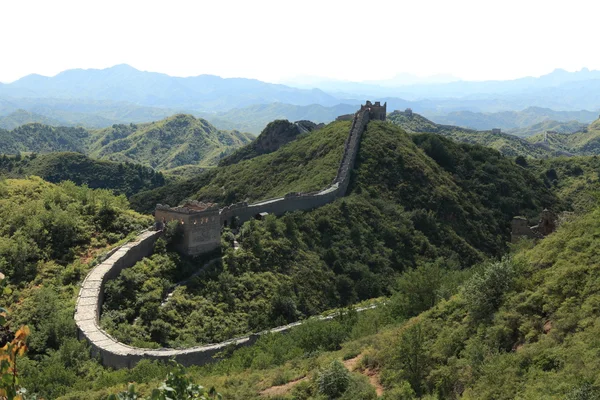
x,y
282,389
352,365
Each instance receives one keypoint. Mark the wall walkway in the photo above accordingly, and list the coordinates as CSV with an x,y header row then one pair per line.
x,y
89,302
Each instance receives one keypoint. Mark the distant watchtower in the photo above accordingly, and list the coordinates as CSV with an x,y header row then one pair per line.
x,y
376,111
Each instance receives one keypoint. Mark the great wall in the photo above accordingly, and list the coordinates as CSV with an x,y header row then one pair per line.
x,y
202,224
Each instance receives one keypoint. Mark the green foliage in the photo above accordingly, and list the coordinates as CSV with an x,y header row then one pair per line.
x,y
177,386
172,142
275,135
506,144
122,178
484,290
333,381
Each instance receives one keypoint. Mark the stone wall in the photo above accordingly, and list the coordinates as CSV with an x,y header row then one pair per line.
x,y
307,201
202,234
118,355
201,229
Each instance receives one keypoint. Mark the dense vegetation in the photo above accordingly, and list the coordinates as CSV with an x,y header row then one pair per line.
x,y
407,207
122,178
585,142
169,143
508,145
172,142
422,219
50,237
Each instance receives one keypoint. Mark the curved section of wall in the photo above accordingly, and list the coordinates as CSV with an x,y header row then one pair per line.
x,y
89,302
118,355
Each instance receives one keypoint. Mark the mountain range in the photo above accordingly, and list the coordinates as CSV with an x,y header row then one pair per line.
x,y
121,94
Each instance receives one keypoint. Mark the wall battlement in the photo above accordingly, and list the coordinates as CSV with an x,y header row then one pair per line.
x,y
205,236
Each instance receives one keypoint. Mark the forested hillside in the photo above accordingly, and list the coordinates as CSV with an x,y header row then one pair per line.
x,y
306,164
508,145
406,207
585,142
121,178
422,220
175,141
50,237
275,135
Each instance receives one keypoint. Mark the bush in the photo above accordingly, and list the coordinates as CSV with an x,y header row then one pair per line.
x,y
334,380
483,292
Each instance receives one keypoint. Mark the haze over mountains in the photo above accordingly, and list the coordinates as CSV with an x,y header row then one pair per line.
x,y
123,94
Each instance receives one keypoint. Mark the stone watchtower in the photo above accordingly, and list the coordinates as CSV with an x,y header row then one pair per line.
x,y
200,222
377,111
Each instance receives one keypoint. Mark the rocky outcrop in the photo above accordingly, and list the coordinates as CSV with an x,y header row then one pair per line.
x,y
275,135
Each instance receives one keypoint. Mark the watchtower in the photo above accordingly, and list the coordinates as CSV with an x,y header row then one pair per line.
x,y
200,222
376,111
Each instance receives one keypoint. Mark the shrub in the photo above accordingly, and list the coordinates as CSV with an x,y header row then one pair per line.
x,y
334,380
483,292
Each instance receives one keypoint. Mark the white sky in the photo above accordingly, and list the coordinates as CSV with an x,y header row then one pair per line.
x,y
273,40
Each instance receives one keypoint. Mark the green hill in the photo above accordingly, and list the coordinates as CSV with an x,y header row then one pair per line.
x,y
508,145
40,138
22,117
585,142
306,164
169,143
413,200
122,178
275,135
549,125
172,142
421,215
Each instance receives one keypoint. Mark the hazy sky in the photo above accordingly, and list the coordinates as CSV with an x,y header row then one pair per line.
x,y
274,40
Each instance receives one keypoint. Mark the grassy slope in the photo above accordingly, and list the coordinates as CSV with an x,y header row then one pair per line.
x,y
169,143
586,142
43,139
407,206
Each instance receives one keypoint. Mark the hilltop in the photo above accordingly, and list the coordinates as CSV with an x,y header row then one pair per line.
x,y
508,145
275,135
22,117
169,143
584,142
413,200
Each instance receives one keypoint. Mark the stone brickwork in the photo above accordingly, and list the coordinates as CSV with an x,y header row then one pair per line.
x,y
201,225
521,229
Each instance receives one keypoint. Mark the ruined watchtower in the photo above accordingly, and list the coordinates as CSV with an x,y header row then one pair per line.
x,y
200,222
376,111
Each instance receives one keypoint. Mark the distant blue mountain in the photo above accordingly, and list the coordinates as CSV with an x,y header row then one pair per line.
x,y
127,84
